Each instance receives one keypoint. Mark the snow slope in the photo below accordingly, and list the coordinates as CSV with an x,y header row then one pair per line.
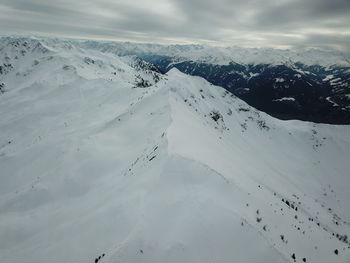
x,y
94,164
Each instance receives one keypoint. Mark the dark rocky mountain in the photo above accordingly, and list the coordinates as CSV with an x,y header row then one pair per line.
x,y
295,91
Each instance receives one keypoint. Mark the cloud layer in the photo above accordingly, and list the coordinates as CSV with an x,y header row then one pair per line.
x,y
254,23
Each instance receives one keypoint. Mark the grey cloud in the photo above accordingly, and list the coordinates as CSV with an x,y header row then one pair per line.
x,y
339,41
303,14
273,23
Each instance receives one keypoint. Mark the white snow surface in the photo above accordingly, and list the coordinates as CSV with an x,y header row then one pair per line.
x,y
328,77
334,104
281,80
181,171
285,99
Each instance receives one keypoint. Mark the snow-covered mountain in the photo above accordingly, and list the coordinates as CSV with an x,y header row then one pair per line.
x,y
104,159
317,81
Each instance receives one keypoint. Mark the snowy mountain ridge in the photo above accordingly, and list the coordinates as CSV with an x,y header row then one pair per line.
x,y
104,159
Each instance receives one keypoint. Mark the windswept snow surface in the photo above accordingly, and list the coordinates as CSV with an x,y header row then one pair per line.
x,y
93,164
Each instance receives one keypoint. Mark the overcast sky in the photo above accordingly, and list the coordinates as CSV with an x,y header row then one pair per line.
x,y
253,23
